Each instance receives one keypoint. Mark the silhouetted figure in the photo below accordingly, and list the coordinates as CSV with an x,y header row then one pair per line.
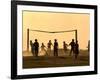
x,y
31,44
65,46
72,46
36,47
32,47
55,48
76,50
89,46
43,50
49,46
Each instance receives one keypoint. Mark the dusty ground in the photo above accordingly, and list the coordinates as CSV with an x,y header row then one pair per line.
x,y
62,60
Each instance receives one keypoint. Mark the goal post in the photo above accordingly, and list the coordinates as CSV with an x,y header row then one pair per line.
x,y
27,39
51,32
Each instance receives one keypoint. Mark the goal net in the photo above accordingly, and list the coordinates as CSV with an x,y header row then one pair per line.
x,y
45,36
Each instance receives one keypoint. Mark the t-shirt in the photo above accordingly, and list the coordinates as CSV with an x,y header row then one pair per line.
x,y
72,44
49,45
36,45
56,45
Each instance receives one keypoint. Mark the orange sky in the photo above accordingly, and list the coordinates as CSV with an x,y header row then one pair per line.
x,y
50,21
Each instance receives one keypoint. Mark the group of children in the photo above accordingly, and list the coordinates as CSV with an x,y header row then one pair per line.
x,y
47,50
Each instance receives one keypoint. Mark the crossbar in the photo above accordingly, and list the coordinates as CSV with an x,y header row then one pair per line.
x,y
48,32
52,31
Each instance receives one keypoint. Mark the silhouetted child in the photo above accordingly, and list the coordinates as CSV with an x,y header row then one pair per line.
x,y
65,46
88,45
55,47
32,47
49,44
43,49
72,46
36,47
76,50
31,44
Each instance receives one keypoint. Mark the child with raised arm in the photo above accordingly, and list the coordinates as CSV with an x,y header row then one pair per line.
x,y
43,50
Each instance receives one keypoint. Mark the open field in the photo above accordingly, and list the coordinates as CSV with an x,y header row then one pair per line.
x,y
62,60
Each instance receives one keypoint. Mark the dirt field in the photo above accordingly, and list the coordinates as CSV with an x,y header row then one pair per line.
x,y
62,60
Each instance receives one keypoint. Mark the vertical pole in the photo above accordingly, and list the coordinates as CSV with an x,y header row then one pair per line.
x,y
76,35
27,39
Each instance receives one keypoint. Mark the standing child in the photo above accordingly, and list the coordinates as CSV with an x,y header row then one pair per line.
x,y
49,47
43,50
72,44
55,48
32,47
76,50
65,46
36,47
